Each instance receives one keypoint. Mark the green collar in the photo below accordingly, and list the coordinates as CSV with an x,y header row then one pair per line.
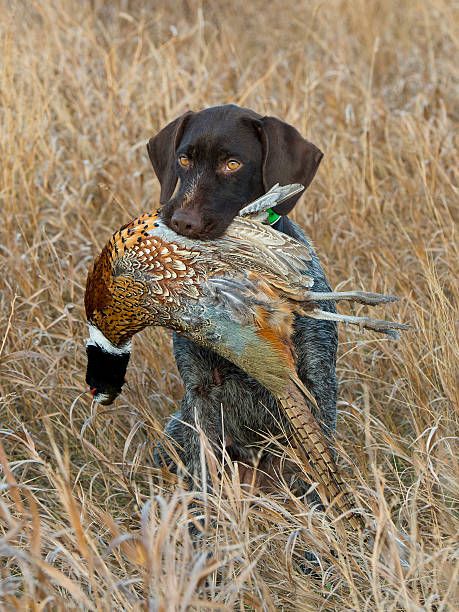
x,y
272,216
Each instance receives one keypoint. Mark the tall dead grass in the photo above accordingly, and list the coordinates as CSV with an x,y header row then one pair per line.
x,y
83,86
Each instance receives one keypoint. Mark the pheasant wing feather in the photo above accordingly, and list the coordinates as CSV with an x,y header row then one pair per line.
x,y
278,257
276,195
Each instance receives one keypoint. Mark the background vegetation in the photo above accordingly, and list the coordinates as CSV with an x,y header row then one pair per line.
x,y
83,86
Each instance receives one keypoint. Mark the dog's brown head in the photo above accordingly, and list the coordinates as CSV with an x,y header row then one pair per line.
x,y
225,156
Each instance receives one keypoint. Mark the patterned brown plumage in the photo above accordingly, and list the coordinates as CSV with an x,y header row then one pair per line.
x,y
235,295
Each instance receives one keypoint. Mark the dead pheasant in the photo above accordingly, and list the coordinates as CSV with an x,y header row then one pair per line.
x,y
235,295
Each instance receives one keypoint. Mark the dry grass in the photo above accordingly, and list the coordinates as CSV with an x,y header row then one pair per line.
x,y
83,86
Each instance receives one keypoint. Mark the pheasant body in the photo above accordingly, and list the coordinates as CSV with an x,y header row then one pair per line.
x,y
220,294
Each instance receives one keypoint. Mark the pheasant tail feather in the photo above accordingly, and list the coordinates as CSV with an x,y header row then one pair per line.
x,y
315,447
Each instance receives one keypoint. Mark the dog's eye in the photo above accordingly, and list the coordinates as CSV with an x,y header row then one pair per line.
x,y
184,160
233,164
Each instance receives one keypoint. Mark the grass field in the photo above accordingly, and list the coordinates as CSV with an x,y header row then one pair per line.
x,y
83,86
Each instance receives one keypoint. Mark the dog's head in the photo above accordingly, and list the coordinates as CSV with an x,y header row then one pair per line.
x,y
225,156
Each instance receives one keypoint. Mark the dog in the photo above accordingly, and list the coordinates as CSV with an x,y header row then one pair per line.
x,y
222,158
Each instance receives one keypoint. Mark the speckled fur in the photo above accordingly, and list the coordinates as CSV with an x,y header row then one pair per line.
x,y
249,410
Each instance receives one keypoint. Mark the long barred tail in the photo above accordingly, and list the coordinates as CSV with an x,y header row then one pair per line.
x,y
314,445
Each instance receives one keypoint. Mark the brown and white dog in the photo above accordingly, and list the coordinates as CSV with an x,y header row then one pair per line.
x,y
222,158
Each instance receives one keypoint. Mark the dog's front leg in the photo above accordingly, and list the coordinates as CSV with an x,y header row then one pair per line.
x,y
202,445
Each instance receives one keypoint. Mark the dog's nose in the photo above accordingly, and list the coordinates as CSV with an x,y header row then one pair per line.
x,y
186,222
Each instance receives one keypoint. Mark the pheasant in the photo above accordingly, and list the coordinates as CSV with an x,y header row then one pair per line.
x,y
235,295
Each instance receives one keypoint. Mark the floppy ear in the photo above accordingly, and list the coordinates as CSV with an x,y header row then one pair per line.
x,y
161,151
288,158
